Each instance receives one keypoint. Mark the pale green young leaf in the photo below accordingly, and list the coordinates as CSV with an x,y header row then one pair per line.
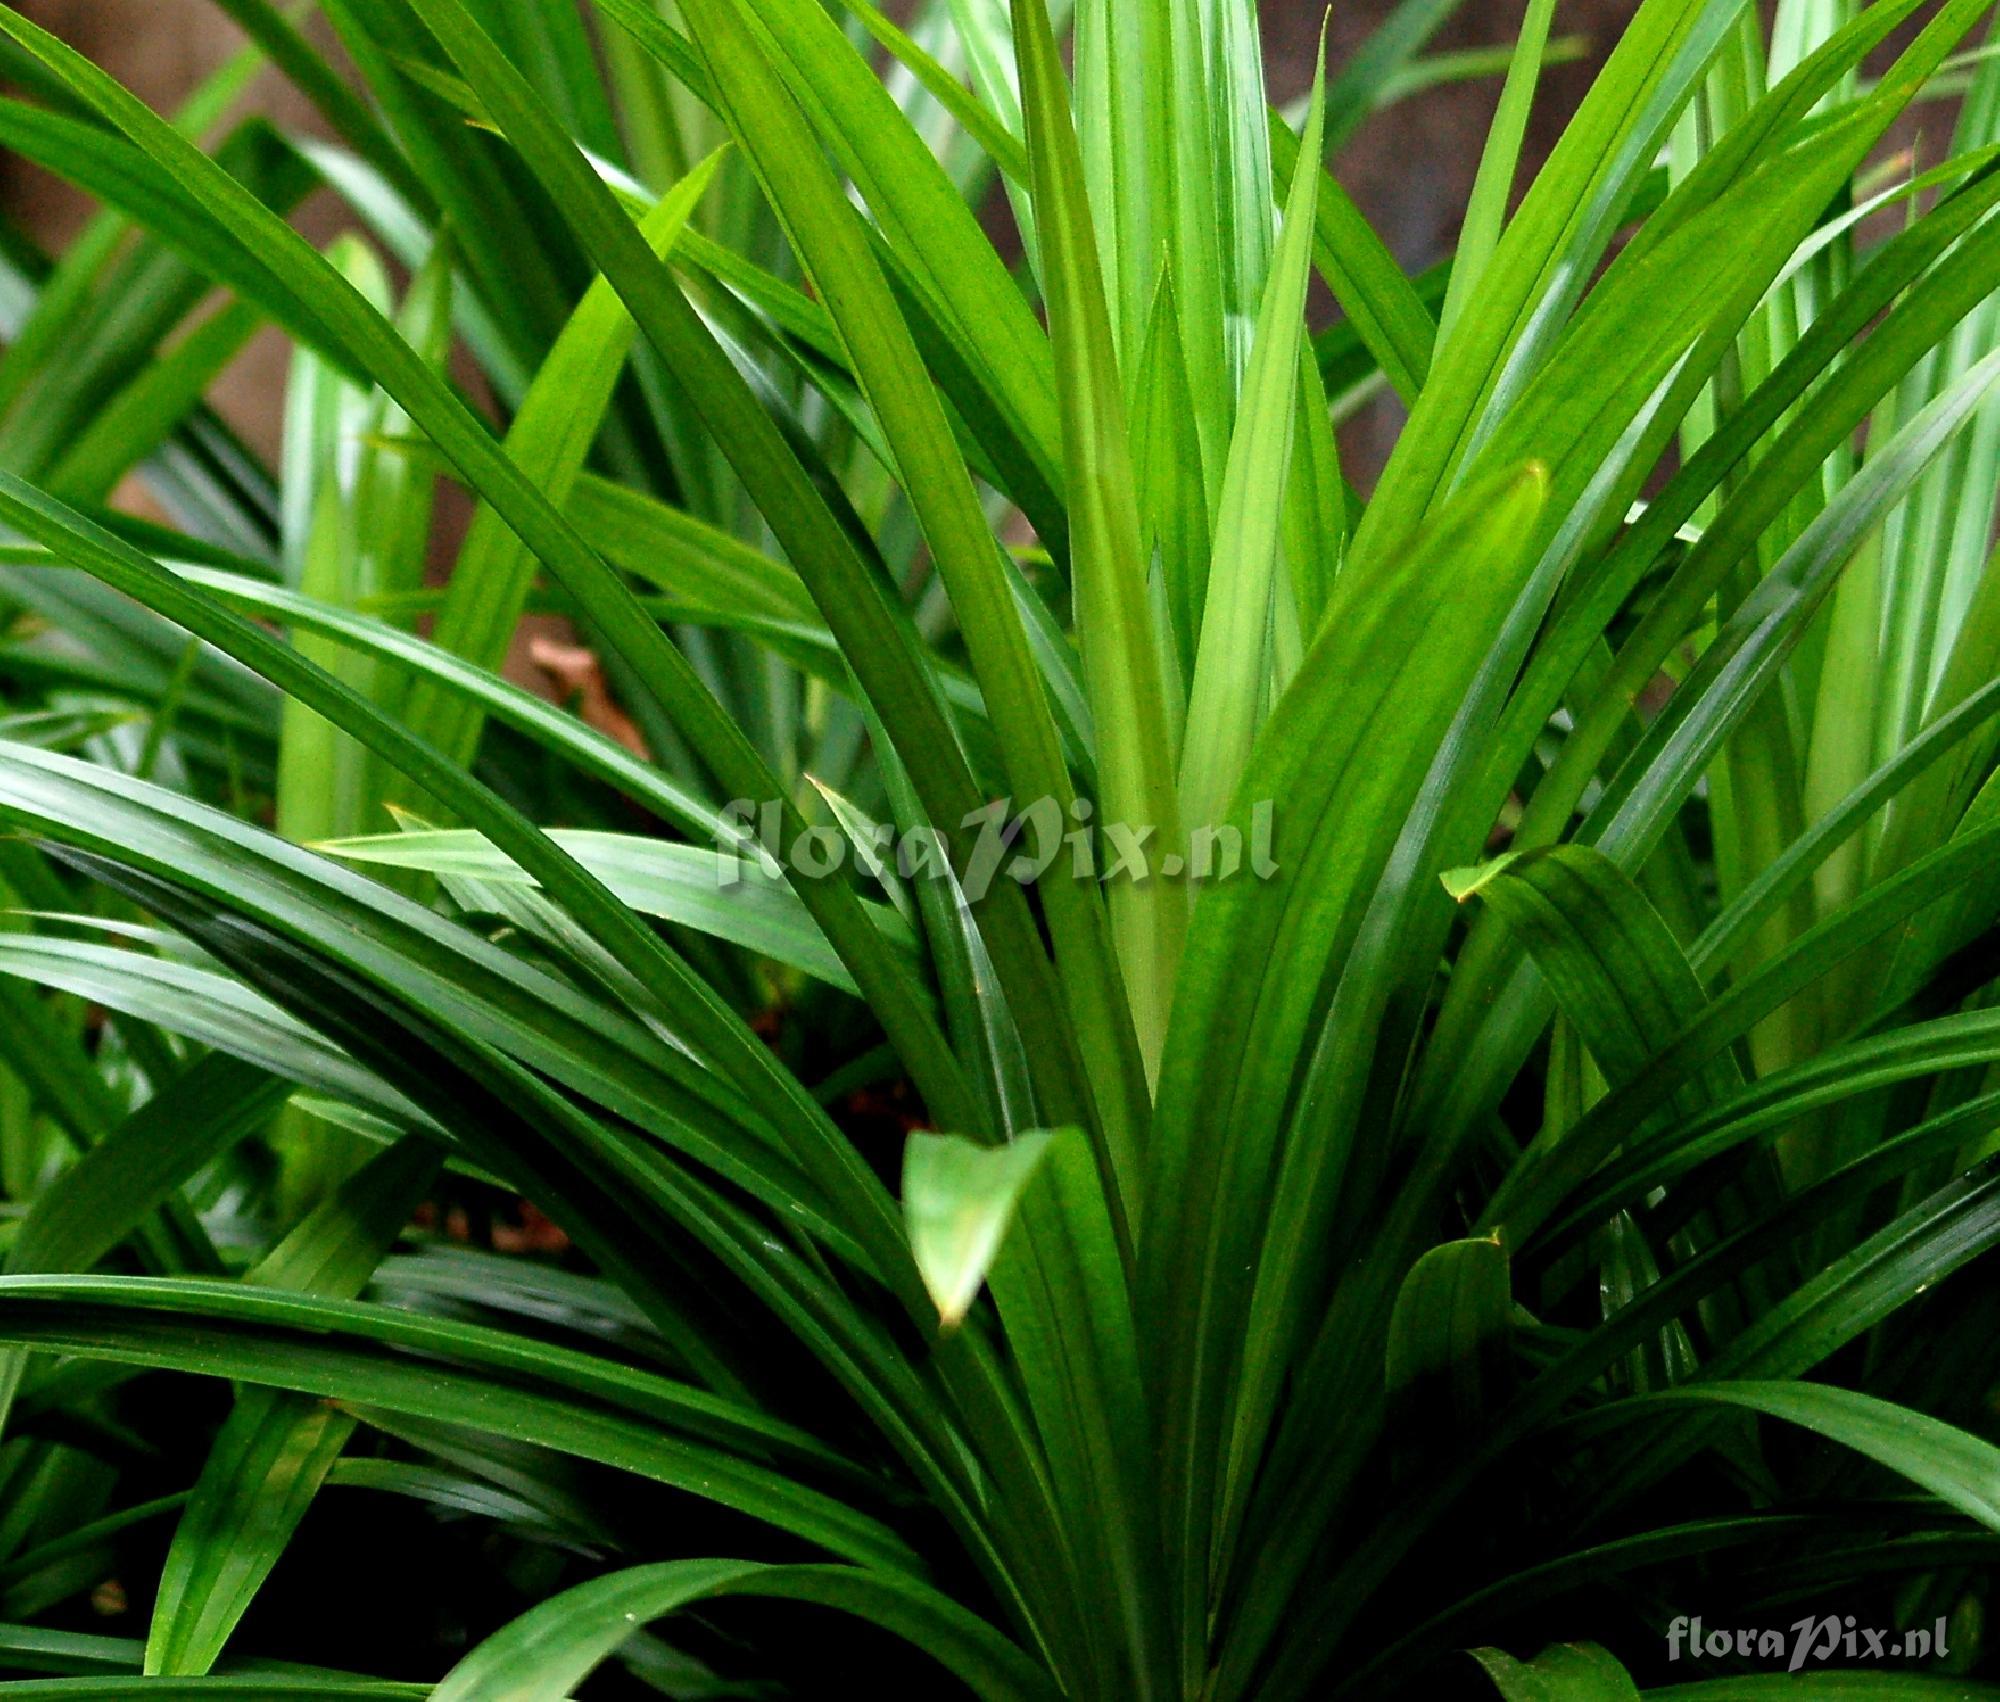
x,y
1227,696
1123,668
1172,487
959,1200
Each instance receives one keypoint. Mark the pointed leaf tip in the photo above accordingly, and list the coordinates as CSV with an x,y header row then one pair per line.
x,y
1466,883
958,1199
1573,1672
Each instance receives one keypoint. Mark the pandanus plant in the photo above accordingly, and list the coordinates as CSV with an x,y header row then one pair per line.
x,y
1150,1076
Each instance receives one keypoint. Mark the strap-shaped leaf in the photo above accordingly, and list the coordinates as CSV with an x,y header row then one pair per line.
x,y
1172,487
1449,1338
352,327
1614,966
553,432
542,1655
1879,1276
1362,721
1232,657
1122,667
725,893
1382,305
1064,1299
178,848
1486,210
224,1329
929,227
1940,296
276,1448
833,248
1959,1468
125,1178
100,1200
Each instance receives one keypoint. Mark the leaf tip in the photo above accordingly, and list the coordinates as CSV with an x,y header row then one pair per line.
x,y
1470,881
959,1199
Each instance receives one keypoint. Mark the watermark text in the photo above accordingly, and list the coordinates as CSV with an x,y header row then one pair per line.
x,y
998,840
1815,1640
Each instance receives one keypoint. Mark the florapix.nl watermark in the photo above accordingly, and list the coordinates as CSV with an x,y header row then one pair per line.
x,y
1023,845
1816,1640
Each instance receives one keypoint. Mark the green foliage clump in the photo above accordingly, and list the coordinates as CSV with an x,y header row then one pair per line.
x,y
1069,1052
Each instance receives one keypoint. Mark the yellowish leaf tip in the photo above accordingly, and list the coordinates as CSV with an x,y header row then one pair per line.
x,y
959,1199
1466,883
